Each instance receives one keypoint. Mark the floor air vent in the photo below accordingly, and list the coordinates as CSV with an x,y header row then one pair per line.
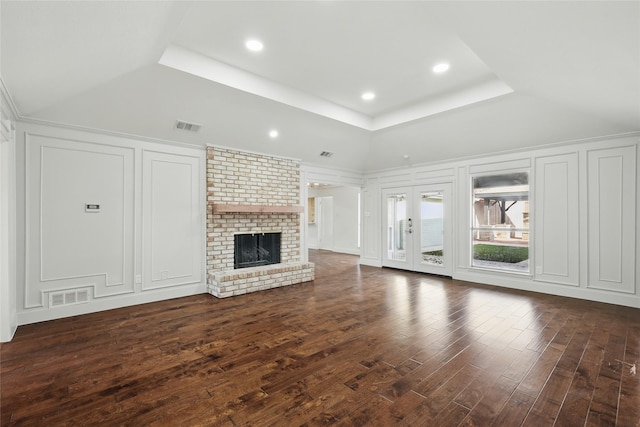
x,y
189,127
78,296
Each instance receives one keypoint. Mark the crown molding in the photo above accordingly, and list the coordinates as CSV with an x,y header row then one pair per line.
x,y
551,145
196,64
4,91
335,174
124,135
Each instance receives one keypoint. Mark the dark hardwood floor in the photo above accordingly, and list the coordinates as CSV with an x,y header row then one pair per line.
x,y
359,346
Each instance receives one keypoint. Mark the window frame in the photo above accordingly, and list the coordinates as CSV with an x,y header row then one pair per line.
x,y
473,228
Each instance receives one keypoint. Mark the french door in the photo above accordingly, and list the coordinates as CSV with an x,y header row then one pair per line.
x,y
417,228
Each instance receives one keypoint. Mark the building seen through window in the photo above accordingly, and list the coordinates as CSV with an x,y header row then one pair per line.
x,y
500,228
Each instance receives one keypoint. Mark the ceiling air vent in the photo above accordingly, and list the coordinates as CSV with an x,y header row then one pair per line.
x,y
189,127
326,154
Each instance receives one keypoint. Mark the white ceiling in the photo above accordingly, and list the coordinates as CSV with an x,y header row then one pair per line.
x,y
522,74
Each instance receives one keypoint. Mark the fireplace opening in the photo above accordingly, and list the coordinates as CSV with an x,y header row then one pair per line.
x,y
252,250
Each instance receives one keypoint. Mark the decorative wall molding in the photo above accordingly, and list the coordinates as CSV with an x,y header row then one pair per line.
x,y
172,219
50,189
561,145
105,132
8,219
8,101
576,279
612,218
93,289
331,176
557,231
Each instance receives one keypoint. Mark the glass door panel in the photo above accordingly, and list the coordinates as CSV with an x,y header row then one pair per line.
x,y
432,227
432,250
396,228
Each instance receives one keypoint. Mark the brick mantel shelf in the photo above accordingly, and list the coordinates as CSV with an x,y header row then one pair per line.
x,y
223,207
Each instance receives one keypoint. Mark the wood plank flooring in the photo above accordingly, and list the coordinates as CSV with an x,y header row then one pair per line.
x,y
359,346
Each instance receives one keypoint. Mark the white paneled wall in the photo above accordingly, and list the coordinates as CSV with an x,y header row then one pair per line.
x,y
8,314
172,232
584,217
557,210
147,243
612,218
109,222
371,243
69,246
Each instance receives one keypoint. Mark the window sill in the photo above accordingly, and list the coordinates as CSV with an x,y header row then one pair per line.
x,y
500,270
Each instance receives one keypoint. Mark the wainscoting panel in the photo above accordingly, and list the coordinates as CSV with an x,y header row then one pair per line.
x,y
172,220
557,243
80,219
612,218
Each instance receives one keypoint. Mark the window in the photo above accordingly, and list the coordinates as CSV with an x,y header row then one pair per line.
x,y
500,227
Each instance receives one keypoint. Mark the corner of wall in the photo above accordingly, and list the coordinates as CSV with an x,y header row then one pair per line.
x,y
8,291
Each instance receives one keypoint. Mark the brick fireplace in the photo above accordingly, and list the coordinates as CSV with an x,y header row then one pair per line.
x,y
252,193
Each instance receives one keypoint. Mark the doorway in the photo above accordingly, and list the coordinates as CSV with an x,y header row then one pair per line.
x,y
333,218
417,234
324,220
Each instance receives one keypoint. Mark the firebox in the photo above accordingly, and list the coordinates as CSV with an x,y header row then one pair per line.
x,y
255,249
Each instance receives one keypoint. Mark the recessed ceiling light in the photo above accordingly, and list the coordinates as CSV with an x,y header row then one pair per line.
x,y
368,96
441,68
254,45
273,133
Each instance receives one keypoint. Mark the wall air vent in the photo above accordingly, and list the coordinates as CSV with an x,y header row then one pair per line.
x,y
189,127
326,154
61,298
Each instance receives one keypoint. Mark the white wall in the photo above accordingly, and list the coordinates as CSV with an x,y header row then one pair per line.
x,y
8,314
325,221
339,179
344,218
128,172
146,243
312,233
585,235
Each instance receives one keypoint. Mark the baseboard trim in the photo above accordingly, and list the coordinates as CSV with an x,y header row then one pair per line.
x,y
43,314
531,285
370,262
10,335
347,251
